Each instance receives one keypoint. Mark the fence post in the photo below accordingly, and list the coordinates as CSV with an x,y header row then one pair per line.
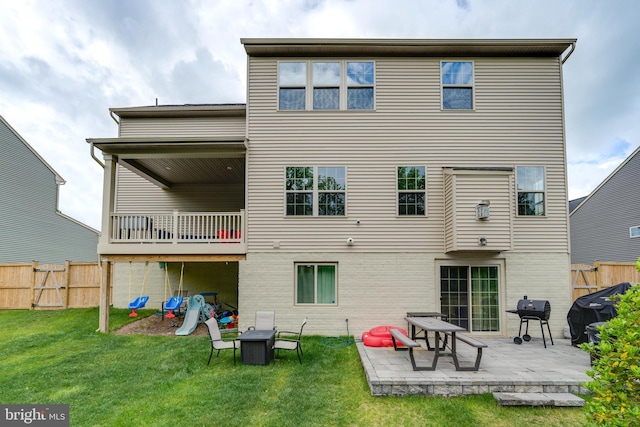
x,y
34,267
598,270
67,283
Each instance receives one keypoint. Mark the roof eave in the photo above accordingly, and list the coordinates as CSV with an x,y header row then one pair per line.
x,y
188,110
406,47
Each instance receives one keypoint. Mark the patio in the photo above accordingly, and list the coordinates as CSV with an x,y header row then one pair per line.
x,y
505,367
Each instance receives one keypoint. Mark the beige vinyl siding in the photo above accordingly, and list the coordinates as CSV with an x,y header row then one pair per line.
x,y
517,121
182,127
137,195
469,188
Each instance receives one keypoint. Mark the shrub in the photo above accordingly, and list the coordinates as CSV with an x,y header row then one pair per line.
x,y
615,374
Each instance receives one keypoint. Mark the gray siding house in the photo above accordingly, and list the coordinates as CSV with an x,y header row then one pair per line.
x,y
362,180
32,227
605,225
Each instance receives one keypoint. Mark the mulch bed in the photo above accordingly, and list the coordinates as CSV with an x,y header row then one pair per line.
x,y
155,325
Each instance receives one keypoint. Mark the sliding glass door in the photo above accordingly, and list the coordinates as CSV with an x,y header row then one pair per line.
x,y
469,295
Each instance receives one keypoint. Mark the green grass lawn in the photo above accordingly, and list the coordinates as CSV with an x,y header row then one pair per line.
x,y
49,357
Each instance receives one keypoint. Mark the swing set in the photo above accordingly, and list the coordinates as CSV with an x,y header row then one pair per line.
x,y
141,300
174,302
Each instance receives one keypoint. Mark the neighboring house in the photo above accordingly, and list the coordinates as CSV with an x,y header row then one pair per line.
x,y
362,180
32,227
605,225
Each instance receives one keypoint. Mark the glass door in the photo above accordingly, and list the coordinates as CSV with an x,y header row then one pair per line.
x,y
469,295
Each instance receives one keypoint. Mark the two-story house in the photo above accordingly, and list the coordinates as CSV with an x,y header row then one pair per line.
x,y
605,225
32,227
363,179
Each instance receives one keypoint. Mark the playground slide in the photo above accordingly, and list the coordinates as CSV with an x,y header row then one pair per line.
x,y
190,321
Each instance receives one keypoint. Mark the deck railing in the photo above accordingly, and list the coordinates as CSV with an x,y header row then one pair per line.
x,y
178,227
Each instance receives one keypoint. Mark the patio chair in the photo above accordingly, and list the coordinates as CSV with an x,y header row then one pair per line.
x,y
291,341
217,342
265,321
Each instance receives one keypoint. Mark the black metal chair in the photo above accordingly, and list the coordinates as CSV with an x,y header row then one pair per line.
x,y
290,341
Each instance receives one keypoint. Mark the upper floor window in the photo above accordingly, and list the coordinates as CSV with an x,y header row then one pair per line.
x,y
634,231
315,191
360,76
292,80
326,85
457,85
411,182
531,190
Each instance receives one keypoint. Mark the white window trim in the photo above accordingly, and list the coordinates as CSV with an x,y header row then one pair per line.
x,y
343,84
637,232
472,86
315,285
426,194
316,192
544,192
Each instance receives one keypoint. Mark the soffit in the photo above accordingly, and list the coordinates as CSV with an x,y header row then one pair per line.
x,y
176,171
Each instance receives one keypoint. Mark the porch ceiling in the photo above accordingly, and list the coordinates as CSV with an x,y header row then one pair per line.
x,y
175,171
169,161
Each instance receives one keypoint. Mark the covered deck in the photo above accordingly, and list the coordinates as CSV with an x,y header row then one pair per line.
x,y
175,233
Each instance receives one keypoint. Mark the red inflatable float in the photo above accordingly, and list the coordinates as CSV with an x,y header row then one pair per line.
x,y
380,336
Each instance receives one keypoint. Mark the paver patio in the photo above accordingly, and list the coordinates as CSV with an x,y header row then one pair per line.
x,y
505,367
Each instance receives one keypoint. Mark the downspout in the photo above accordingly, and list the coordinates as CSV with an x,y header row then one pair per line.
x,y
573,47
114,118
93,156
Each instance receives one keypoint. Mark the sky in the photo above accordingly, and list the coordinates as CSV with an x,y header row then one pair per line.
x,y
64,63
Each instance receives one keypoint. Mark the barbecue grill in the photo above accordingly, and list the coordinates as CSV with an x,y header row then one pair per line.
x,y
529,309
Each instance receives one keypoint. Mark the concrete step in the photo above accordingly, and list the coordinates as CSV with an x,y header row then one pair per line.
x,y
538,399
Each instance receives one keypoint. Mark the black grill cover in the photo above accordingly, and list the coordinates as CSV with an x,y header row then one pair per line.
x,y
593,308
534,308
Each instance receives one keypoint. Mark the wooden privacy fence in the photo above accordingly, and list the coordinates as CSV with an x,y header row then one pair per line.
x,y
587,278
49,286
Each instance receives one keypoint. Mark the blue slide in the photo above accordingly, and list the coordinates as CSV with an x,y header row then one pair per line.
x,y
195,304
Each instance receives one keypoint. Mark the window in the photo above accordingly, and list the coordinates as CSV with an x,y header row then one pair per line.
x,y
411,190
315,191
457,85
470,297
292,79
360,85
326,85
531,187
334,85
316,283
634,231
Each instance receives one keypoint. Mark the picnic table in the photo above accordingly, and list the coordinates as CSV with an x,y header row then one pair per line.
x,y
441,329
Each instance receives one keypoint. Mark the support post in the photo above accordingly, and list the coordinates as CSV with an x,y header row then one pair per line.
x,y
105,296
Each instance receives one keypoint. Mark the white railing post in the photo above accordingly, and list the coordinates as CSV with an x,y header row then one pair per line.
x,y
176,227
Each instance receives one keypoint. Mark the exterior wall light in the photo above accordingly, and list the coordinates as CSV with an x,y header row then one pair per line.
x,y
482,210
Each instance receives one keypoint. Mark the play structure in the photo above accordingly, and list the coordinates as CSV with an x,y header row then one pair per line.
x,y
194,314
142,299
175,302
199,310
